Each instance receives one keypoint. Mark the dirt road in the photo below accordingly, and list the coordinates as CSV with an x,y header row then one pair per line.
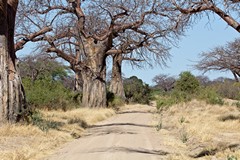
x,y
130,134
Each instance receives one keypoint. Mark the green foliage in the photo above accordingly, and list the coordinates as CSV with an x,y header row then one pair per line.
x,y
114,101
210,96
237,104
187,83
136,91
186,88
49,94
232,157
174,97
38,120
165,102
44,80
181,96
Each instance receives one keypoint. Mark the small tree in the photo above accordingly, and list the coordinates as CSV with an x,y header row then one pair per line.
x,y
187,83
136,91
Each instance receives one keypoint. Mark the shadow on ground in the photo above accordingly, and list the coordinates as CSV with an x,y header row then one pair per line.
x,y
130,150
122,124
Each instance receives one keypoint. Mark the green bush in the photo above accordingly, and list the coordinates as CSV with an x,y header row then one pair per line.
x,y
237,104
174,97
165,102
187,83
136,91
38,120
114,101
49,94
117,102
186,88
180,96
210,96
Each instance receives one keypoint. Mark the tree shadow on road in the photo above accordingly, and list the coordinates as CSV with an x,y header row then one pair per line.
x,y
130,150
104,131
132,111
122,124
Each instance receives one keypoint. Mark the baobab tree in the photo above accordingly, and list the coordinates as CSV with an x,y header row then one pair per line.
x,y
134,52
222,58
227,10
83,33
12,97
144,46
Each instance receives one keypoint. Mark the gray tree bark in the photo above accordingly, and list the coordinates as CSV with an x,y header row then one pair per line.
x,y
116,84
94,74
12,97
78,82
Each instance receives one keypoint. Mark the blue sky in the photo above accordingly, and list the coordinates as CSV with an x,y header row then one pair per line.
x,y
203,36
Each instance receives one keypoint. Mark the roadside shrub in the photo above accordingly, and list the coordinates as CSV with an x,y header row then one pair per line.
x,y
43,124
180,96
174,97
155,93
117,102
49,94
136,91
114,101
187,83
237,104
165,102
210,96
186,88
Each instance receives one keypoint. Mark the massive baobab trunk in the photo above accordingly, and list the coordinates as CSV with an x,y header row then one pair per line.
x,y
3,61
12,97
94,74
116,84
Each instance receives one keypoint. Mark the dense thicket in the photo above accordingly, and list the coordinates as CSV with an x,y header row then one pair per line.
x,y
136,90
48,83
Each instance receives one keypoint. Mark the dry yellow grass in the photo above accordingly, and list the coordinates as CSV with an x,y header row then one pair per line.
x,y
24,142
187,126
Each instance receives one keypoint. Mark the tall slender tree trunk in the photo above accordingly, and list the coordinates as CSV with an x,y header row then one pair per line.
x,y
94,74
116,84
12,103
